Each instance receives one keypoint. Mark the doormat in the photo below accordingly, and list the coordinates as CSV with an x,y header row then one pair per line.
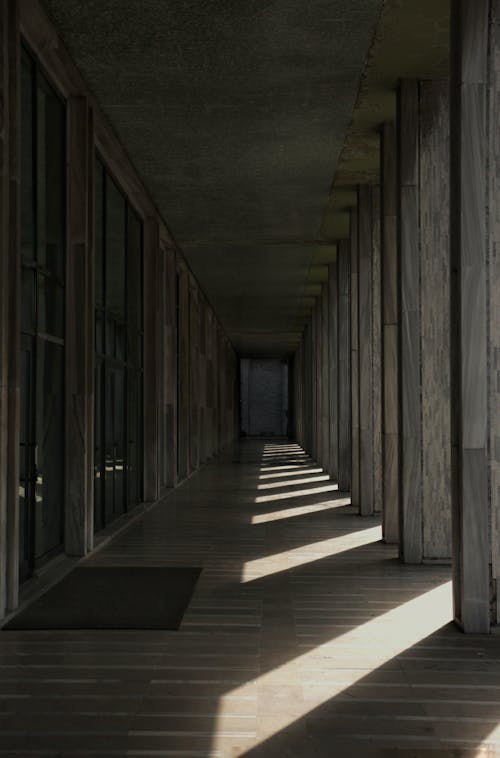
x,y
112,597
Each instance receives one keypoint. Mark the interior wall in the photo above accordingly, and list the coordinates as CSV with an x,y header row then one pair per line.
x,y
264,397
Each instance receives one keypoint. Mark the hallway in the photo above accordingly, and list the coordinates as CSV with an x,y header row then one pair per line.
x,y
305,637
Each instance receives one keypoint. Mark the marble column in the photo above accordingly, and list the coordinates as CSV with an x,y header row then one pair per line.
x,y
79,340
319,394
409,320
183,387
344,364
12,166
308,387
325,381
333,370
376,339
8,307
171,367
194,369
425,517
389,261
354,359
434,209
475,343
151,358
314,384
365,350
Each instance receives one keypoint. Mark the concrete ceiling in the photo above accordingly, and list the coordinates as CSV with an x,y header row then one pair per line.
x,y
247,124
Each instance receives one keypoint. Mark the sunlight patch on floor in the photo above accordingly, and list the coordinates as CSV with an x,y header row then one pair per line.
x,y
298,556
299,493
284,474
301,510
293,483
386,637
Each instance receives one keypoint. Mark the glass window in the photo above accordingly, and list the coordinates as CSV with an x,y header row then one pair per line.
x,y
27,161
115,250
99,229
50,178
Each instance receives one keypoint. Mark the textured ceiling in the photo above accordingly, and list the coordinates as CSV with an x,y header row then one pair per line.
x,y
234,115
251,123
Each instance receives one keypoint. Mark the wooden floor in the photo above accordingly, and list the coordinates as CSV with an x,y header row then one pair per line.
x,y
305,637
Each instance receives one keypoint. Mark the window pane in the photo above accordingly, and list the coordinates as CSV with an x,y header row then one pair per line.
x,y
27,189
51,141
28,300
99,217
115,250
49,485
50,306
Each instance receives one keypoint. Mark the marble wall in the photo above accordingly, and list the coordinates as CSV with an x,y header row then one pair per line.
x,y
434,207
390,410
344,366
334,369
473,249
354,359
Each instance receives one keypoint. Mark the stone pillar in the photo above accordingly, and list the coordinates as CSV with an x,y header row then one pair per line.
x,y
333,370
376,338
308,385
9,305
434,210
411,410
390,415
314,383
171,367
183,368
12,269
318,388
194,383
365,354
475,240
151,358
425,322
344,363
354,360
325,382
79,350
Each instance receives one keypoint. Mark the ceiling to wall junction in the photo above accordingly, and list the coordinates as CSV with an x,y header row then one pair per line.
x,y
238,116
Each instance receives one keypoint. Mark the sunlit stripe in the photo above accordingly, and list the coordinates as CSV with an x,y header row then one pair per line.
x,y
273,564
303,510
308,480
300,493
398,628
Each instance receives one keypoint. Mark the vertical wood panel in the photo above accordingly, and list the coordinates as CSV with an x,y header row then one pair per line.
x,y
469,261
77,347
494,294
435,319
333,369
409,322
14,316
151,358
4,294
171,368
183,397
325,381
314,384
365,354
376,337
354,362
194,368
344,357
389,261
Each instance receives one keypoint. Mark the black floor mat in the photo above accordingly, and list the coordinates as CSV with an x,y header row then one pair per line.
x,y
112,597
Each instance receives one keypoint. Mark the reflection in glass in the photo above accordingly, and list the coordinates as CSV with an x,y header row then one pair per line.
x,y
49,494
115,250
